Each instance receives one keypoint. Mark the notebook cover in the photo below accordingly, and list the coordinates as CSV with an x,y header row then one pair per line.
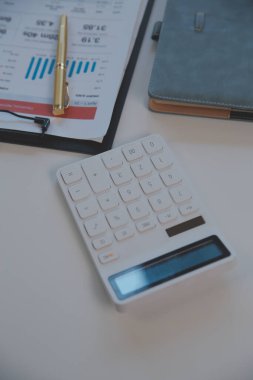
x,y
87,146
204,59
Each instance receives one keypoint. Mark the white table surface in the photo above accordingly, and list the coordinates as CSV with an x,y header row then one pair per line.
x,y
56,321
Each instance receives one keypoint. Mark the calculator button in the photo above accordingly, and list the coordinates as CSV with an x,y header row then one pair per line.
x,y
152,144
112,159
102,242
130,192
106,257
145,225
168,216
133,151
138,209
97,176
87,208
187,209
121,176
170,177
180,194
79,191
117,218
124,233
160,201
108,200
151,184
162,160
71,174
141,168
95,226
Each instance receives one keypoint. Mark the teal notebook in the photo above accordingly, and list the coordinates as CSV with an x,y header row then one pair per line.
x,y
204,59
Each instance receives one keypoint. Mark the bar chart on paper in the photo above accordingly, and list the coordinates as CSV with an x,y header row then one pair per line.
x,y
31,76
40,67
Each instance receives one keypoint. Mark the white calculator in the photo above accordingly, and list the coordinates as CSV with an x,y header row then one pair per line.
x,y
140,219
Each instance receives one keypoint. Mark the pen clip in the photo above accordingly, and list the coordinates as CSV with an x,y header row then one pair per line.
x,y
66,105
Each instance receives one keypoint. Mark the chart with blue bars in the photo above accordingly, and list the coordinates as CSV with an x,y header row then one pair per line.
x,y
40,67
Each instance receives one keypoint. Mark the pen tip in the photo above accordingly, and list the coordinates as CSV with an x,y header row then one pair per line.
x,y
58,110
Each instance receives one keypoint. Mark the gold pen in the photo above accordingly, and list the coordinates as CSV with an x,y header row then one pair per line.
x,y
61,98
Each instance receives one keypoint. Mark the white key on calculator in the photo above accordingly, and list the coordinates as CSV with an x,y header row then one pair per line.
x,y
141,220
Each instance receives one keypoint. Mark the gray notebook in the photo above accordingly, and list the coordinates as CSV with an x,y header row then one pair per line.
x,y
204,59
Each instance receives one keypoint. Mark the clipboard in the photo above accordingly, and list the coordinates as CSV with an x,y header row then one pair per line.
x,y
87,146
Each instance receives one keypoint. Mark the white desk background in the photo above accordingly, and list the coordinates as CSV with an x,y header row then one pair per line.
x,y
56,322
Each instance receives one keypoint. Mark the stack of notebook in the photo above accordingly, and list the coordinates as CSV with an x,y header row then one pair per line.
x,y
204,60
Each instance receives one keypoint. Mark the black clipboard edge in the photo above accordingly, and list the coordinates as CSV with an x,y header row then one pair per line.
x,y
87,146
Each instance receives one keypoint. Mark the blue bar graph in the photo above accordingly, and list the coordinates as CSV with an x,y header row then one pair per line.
x,y
72,67
93,67
51,67
40,67
36,69
43,68
79,67
29,67
86,67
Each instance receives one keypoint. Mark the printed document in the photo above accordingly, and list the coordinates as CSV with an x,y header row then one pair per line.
x,y
100,37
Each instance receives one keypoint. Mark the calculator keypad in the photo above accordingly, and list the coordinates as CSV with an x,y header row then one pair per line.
x,y
127,192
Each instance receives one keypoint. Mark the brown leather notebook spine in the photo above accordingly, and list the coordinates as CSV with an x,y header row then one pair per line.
x,y
191,110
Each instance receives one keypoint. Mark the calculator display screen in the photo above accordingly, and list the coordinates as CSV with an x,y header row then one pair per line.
x,y
168,266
